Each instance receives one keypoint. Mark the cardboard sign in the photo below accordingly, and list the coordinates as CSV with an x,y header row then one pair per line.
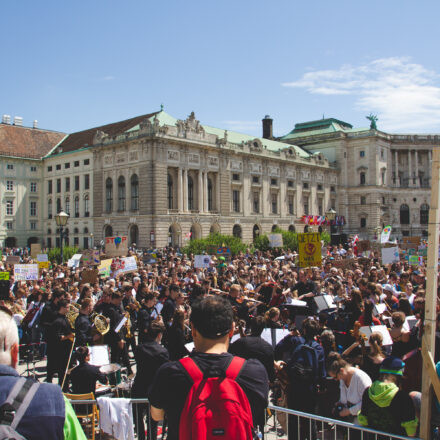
x,y
4,276
123,265
390,255
275,240
413,240
26,272
35,250
104,268
309,246
116,246
13,259
89,276
202,261
90,257
363,245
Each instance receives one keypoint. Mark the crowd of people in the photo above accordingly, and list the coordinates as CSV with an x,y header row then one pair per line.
x,y
300,330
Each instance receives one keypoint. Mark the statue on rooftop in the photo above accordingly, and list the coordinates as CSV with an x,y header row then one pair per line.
x,y
373,119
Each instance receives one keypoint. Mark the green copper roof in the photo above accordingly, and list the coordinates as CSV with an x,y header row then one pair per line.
x,y
233,136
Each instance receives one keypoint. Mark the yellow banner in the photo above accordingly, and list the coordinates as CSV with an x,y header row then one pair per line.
x,y
309,247
43,265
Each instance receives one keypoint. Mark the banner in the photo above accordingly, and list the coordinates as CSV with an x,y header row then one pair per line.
x,y
123,265
275,240
390,255
202,261
309,247
116,246
43,261
385,236
105,267
26,272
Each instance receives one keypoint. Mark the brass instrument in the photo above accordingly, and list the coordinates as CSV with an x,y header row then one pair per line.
x,y
72,314
100,323
127,326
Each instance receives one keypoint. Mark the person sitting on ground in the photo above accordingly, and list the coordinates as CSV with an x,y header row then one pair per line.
x,y
49,415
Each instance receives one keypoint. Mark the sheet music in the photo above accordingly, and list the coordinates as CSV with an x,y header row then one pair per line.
x,y
123,321
99,355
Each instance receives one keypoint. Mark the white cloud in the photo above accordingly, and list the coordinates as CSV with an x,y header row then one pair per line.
x,y
241,125
405,95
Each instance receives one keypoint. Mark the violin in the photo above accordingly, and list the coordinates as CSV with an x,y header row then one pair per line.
x,y
357,335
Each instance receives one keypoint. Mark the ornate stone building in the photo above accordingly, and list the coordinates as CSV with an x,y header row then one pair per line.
x,y
384,178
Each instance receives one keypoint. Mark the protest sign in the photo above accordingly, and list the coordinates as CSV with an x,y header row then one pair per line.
x,y
385,235
74,261
413,260
390,255
26,272
105,267
89,276
123,265
13,259
35,250
4,276
116,246
43,261
309,246
275,240
90,257
202,261
363,245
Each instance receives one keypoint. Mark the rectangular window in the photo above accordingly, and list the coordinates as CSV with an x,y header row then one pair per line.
x,y
332,189
274,182
49,169
76,241
362,153
305,185
363,222
274,203
33,226
67,165
33,209
236,201
9,185
10,166
86,207
49,186
76,206
290,183
58,167
236,177
86,181
33,169
319,187
76,163
86,161
256,202
290,202
320,205
9,226
306,206
9,207
58,185
76,183
255,179
67,183
33,187
49,242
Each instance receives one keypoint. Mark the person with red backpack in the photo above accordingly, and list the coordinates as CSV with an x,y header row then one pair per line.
x,y
210,394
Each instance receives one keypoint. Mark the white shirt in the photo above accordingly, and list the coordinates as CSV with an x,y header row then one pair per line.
x,y
354,392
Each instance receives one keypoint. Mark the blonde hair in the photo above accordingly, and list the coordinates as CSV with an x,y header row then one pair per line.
x,y
271,313
8,337
376,340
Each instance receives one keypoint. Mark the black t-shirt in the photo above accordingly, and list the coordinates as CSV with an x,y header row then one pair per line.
x,y
172,383
84,378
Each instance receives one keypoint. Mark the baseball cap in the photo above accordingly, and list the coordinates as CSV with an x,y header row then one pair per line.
x,y
392,365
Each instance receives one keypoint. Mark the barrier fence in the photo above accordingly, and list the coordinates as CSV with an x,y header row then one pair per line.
x,y
281,423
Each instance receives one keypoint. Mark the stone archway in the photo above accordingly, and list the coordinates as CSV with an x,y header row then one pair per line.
x,y
32,240
196,231
292,228
237,231
256,231
10,242
134,235
214,229
174,235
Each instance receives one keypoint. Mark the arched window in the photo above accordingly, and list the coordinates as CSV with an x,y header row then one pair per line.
x,y
209,194
76,231
404,214
190,193
362,178
363,200
49,231
76,206
255,231
59,209
109,195
424,214
86,230
291,228
86,206
274,228
134,192
236,231
134,235
121,193
67,205
49,208
170,191
108,231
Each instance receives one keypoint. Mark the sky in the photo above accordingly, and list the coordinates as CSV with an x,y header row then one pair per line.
x,y
76,65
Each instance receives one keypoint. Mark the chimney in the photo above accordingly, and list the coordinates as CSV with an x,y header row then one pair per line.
x,y
6,119
35,125
18,121
267,127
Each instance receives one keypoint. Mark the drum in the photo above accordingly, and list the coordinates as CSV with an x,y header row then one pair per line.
x,y
113,372
123,390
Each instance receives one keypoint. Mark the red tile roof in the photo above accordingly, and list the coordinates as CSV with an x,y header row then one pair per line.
x,y
83,139
27,142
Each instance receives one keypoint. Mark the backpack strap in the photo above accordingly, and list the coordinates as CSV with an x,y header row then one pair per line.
x,y
235,367
18,401
192,369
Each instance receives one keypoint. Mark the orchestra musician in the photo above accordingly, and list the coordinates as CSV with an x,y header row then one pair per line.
x,y
83,326
147,314
131,306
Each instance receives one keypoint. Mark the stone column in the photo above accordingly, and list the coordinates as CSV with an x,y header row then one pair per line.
x,y
205,191
185,190
416,168
429,167
396,168
179,190
217,191
200,192
409,168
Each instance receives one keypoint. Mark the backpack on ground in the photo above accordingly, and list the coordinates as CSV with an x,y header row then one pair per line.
x,y
302,367
216,407
15,406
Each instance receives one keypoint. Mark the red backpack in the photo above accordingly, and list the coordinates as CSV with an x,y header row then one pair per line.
x,y
216,407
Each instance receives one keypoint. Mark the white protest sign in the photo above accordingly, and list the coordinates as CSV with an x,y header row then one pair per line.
x,y
124,265
385,235
275,240
25,272
202,261
390,255
74,261
42,258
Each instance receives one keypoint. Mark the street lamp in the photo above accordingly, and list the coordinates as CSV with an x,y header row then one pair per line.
x,y
331,215
61,221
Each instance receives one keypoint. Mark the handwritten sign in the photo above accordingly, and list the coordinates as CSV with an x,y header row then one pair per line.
x,y
105,267
390,255
90,257
309,246
116,246
13,259
275,240
26,272
4,276
35,250
202,261
123,265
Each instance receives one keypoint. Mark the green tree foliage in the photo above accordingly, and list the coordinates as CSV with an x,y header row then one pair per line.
x,y
214,241
54,254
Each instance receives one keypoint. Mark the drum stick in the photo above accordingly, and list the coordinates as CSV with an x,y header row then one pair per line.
x,y
68,362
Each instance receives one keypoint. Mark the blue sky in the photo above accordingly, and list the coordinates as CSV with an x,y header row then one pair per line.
x,y
76,65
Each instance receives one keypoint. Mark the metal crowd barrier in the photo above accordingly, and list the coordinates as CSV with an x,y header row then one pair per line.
x,y
303,426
